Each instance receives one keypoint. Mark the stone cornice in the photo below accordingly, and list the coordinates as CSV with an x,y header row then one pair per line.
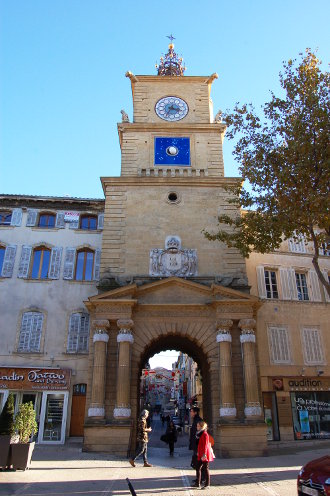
x,y
52,202
92,304
156,127
136,181
140,78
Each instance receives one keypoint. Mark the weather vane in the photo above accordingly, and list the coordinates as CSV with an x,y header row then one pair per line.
x,y
171,37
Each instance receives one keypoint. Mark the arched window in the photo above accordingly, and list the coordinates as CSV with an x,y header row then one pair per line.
x,y
5,218
84,265
78,333
88,222
40,263
47,220
30,333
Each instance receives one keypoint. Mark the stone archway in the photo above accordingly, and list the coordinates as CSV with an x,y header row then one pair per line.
x,y
213,324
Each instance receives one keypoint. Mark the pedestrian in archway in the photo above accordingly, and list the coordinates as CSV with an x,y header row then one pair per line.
x,y
172,436
194,415
142,438
204,454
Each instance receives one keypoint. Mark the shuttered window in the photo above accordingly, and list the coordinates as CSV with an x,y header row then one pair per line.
x,y
47,220
40,264
88,222
7,260
271,284
301,284
84,265
2,257
5,218
30,333
279,344
312,346
78,333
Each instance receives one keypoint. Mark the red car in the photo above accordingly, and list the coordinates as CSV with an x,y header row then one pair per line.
x,y
314,478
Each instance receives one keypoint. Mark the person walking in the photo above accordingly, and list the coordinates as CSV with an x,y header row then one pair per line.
x,y
142,438
204,454
194,415
172,436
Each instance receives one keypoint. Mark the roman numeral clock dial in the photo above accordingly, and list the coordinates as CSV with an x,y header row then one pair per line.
x,y
171,108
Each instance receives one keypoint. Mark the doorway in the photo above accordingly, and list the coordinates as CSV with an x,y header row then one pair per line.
x,y
78,410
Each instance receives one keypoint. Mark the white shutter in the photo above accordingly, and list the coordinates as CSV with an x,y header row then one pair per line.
x,y
279,345
30,334
23,268
55,263
8,261
70,255
74,224
74,327
292,284
16,217
100,221
312,346
32,217
261,281
60,220
84,332
326,276
97,260
285,286
315,286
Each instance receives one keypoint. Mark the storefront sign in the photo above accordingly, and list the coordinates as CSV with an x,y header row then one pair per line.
x,y
35,379
71,216
301,384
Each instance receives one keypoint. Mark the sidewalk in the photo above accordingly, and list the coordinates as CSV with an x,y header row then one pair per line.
x,y
66,470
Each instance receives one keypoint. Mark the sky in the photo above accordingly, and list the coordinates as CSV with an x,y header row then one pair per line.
x,y
63,64
164,359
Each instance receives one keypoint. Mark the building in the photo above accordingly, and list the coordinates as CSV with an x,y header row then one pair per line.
x,y
49,264
293,336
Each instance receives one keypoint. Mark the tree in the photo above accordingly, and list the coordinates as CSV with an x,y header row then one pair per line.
x,y
7,417
284,156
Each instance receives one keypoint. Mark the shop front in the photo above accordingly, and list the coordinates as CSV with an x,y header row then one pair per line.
x,y
48,389
298,404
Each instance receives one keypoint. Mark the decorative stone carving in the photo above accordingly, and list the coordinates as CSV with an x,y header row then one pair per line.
x,y
124,116
253,410
173,261
218,116
100,336
96,412
223,330
228,412
122,337
100,325
121,412
247,326
247,338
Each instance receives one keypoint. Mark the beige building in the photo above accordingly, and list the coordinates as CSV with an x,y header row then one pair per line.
x,y
293,334
49,264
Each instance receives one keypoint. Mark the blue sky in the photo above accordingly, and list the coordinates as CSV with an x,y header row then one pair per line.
x,y
63,64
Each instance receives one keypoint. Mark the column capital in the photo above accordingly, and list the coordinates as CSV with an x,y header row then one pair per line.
x,y
247,326
100,325
223,330
125,333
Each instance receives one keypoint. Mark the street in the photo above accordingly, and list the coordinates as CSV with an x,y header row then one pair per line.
x,y
66,470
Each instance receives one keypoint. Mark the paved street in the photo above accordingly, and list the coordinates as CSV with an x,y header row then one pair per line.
x,y
66,470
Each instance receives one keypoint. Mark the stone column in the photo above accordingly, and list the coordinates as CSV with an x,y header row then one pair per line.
x,y
248,339
124,340
226,384
100,340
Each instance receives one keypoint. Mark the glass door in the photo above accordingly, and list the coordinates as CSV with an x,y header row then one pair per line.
x,y
53,418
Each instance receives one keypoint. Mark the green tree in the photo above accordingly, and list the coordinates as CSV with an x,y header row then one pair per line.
x,y
7,417
25,422
284,156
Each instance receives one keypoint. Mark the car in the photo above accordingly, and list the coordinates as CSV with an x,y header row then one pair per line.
x,y
314,478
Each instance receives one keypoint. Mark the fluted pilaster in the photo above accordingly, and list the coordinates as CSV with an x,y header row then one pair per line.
x,y
227,397
124,339
100,340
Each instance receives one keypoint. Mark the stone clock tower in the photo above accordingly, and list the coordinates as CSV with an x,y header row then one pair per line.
x,y
163,285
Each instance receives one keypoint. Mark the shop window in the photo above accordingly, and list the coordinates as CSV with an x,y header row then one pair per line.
x,y
40,263
312,346
88,222
5,218
30,332
84,265
301,284
271,284
47,220
311,414
78,333
279,344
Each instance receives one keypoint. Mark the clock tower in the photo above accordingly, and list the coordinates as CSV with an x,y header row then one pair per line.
x,y
163,285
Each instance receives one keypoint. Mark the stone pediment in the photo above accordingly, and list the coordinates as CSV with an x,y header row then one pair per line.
x,y
175,291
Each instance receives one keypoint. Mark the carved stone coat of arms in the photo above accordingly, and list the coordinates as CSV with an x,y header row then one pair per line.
x,y
173,261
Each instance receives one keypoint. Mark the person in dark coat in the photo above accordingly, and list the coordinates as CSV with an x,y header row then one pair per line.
x,y
172,436
194,415
142,437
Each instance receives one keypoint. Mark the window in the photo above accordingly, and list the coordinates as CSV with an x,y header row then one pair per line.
x,y
325,249
47,220
30,333
279,344
312,346
40,264
88,222
84,265
2,257
7,260
297,245
78,333
271,284
301,284
5,218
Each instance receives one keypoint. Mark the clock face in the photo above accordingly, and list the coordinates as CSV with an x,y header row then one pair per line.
x,y
171,108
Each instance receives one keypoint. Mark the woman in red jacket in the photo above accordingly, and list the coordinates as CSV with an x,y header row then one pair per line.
x,y
204,454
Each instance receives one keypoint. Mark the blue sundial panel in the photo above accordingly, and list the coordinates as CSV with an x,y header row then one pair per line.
x,y
172,151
